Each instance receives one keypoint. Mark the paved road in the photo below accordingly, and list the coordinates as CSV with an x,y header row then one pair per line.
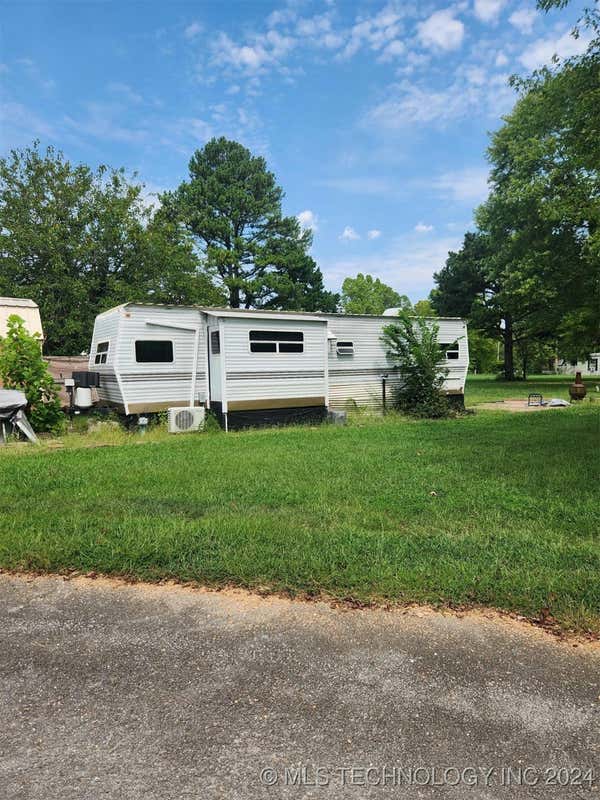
x,y
155,692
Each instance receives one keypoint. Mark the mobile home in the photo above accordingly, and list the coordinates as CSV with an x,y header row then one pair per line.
x,y
251,367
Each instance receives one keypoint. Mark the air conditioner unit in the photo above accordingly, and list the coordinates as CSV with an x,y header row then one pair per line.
x,y
345,348
185,419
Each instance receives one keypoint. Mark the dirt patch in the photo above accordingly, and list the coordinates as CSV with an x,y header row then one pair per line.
x,y
540,626
515,405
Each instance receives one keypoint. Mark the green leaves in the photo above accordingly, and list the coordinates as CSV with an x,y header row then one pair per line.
x,y
22,367
231,206
367,295
531,273
412,347
78,242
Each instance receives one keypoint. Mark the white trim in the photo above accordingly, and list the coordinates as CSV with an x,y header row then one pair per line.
x,y
195,329
100,354
252,314
120,318
223,355
326,366
204,323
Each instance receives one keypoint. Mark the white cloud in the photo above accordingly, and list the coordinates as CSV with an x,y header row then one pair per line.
x,y
468,185
488,10
253,57
473,92
523,19
313,26
192,30
441,30
417,105
421,227
541,51
105,121
476,76
501,59
21,121
374,32
373,234
149,195
407,264
349,234
394,49
308,220
280,17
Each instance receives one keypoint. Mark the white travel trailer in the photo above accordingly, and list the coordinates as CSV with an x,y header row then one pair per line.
x,y
251,367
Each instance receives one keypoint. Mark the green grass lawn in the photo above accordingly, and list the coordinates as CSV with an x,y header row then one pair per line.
x,y
498,509
487,389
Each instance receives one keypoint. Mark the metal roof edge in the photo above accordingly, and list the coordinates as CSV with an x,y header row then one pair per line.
x,y
265,312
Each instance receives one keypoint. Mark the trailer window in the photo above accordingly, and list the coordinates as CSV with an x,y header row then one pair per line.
x,y
345,348
276,341
215,343
451,350
154,350
101,353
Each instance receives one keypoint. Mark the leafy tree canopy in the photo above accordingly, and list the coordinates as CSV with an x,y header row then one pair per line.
x,y
231,205
367,295
531,271
424,308
78,241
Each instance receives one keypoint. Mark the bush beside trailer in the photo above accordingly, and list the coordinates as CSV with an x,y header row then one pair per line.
x,y
252,367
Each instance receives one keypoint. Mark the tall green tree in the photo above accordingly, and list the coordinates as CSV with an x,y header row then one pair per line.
x,y
231,205
367,295
531,273
78,241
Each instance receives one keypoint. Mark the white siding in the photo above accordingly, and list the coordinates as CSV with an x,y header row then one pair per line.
x,y
257,376
215,361
452,330
160,382
358,378
24,308
106,329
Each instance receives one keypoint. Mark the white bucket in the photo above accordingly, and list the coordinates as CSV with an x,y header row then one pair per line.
x,y
83,397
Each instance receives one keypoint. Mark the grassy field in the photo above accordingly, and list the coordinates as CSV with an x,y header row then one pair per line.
x,y
495,509
486,389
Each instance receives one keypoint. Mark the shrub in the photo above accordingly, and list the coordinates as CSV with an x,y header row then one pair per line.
x,y
22,367
412,346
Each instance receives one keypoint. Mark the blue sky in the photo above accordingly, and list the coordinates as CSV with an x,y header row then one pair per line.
x,y
373,115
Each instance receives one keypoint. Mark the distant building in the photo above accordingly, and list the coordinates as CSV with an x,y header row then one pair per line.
x,y
26,309
590,366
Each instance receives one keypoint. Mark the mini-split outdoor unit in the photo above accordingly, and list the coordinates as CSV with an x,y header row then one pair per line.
x,y
185,419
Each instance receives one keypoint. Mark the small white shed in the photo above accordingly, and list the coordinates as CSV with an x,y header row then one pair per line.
x,y
24,308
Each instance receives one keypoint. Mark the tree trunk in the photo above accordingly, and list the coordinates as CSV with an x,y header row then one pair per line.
x,y
234,297
509,362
